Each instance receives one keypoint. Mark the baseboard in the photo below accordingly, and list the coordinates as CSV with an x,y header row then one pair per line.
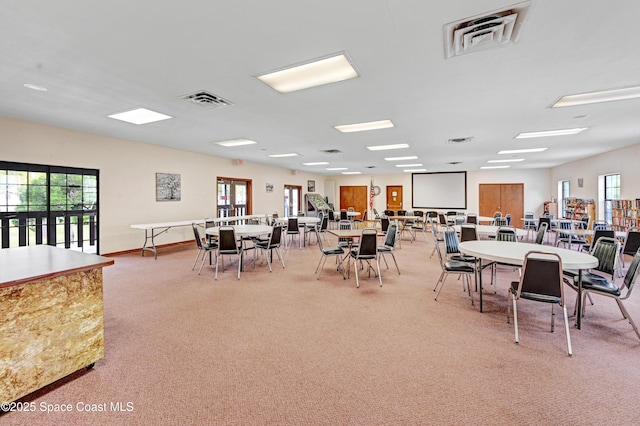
x,y
182,245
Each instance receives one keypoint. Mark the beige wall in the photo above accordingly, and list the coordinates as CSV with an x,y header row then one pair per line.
x,y
127,179
536,186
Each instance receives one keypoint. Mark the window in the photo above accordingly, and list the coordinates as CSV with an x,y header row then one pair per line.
x,y
611,192
563,192
233,197
51,205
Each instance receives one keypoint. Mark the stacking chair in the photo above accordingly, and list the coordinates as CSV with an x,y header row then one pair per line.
x,y
272,244
463,269
542,230
346,242
344,215
389,246
468,232
437,236
332,217
619,293
336,252
228,245
419,226
606,250
564,235
500,221
529,223
504,233
293,229
402,213
389,213
472,218
204,247
631,243
310,228
541,281
384,223
367,251
599,232
322,227
547,221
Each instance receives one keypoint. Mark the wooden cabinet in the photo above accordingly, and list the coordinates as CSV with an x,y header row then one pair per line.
x,y
624,214
550,209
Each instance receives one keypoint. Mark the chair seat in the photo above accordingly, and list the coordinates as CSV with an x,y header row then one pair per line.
x,y
384,249
456,266
354,254
598,283
462,258
332,251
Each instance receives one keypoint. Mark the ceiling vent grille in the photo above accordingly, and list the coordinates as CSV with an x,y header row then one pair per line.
x,y
331,151
493,29
456,141
207,99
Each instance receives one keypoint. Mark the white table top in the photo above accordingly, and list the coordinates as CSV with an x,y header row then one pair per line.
x,y
237,218
166,224
302,220
352,214
243,230
492,229
513,253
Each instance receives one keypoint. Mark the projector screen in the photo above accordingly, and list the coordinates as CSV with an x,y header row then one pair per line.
x,y
445,190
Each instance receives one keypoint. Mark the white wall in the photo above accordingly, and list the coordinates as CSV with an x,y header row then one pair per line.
x,y
127,179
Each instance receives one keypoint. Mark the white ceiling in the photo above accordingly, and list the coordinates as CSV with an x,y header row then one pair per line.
x,y
100,57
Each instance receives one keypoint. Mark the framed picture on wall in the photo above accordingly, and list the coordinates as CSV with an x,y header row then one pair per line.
x,y
167,187
311,186
269,187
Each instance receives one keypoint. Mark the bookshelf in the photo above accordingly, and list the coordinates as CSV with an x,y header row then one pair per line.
x,y
624,214
576,208
550,208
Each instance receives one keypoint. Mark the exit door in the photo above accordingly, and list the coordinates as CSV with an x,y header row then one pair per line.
x,y
394,198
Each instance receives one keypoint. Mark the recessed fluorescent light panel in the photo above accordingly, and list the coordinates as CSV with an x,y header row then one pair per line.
x,y
495,167
361,127
597,97
387,147
323,71
236,142
547,133
521,151
337,168
290,154
512,160
140,116
409,165
351,173
318,163
412,157
414,170
35,87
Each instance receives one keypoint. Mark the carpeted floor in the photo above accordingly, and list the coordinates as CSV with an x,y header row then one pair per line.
x,y
283,348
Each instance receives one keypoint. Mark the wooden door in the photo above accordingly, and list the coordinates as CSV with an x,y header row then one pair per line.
x,y
507,198
394,198
356,197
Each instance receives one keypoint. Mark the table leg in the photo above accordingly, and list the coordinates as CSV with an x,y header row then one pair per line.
x,y
579,304
480,281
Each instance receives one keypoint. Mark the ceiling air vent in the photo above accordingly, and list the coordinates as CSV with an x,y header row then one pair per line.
x,y
456,141
331,151
480,32
207,99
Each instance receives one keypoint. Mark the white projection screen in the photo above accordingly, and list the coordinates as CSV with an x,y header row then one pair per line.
x,y
444,190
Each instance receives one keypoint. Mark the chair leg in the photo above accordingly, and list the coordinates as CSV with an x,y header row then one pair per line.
x,y
379,274
355,268
566,330
216,275
441,281
204,257
393,256
628,317
196,261
515,317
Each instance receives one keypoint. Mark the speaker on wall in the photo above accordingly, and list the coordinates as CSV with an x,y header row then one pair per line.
x,y
580,182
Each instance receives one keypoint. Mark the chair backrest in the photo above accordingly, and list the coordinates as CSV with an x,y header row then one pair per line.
x,y
468,232
375,213
529,215
452,213
472,218
402,212
276,236
344,215
301,213
390,239
274,215
324,224
331,215
546,220
344,225
542,230
497,214
442,219
227,240
632,241
418,213
564,225
350,209
507,217
600,232
368,243
389,213
432,214
500,221
196,234
506,233
451,240
384,223
542,274
606,250
292,225
632,273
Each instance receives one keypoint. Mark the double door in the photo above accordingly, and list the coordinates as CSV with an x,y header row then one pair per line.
x,y
507,198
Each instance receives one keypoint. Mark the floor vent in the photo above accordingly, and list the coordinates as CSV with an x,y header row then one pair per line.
x,y
207,99
498,28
